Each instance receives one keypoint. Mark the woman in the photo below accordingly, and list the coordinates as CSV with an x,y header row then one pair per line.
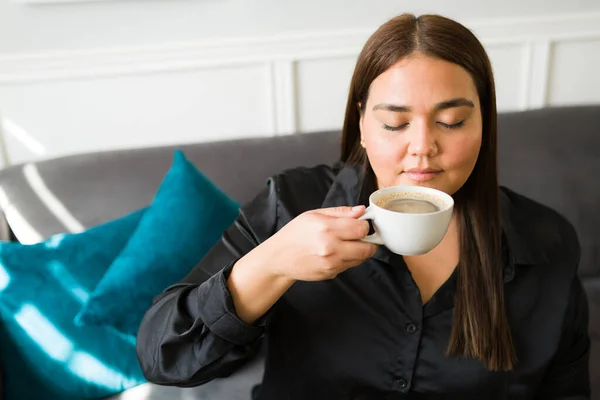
x,y
495,311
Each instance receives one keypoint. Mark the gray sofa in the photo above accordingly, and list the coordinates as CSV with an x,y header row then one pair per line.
x,y
551,155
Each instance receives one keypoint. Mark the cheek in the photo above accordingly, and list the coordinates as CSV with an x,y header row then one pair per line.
x,y
464,151
383,147
385,156
383,151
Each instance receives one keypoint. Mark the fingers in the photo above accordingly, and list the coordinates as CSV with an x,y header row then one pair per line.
x,y
356,251
349,228
341,212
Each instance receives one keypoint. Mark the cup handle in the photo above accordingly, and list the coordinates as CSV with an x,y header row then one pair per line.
x,y
374,238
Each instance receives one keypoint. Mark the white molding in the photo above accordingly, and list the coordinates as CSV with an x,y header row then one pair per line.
x,y
539,27
235,52
272,98
539,74
284,97
173,57
526,84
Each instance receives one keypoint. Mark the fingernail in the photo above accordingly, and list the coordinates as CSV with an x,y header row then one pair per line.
x,y
356,208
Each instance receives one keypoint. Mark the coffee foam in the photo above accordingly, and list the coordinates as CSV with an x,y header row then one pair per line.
x,y
436,200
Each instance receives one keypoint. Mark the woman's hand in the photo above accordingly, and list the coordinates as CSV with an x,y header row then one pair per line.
x,y
314,246
319,244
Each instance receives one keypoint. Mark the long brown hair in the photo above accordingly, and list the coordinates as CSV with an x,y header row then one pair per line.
x,y
480,329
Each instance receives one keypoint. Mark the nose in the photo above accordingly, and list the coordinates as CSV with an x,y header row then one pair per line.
x,y
422,141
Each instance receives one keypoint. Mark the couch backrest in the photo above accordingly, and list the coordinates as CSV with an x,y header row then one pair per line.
x,y
553,156
98,187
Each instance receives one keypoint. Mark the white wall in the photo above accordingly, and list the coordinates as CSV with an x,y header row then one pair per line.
x,y
85,76
134,22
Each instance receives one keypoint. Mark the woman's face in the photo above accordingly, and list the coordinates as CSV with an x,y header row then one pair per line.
x,y
422,124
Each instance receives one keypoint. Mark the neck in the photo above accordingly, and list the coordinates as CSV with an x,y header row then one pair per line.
x,y
431,270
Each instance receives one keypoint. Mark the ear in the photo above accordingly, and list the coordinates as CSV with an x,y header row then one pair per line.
x,y
360,122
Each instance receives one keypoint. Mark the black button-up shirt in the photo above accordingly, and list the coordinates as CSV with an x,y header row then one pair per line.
x,y
366,333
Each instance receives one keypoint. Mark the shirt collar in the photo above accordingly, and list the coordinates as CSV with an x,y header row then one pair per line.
x,y
518,241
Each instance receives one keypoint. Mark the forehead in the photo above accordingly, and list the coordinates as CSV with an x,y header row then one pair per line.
x,y
422,80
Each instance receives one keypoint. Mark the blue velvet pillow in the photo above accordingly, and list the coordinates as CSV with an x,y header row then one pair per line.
x,y
42,287
186,218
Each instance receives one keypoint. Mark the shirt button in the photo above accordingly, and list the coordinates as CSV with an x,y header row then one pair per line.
x,y
411,328
402,384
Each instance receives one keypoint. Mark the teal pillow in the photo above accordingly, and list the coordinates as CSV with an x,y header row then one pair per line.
x,y
42,287
186,218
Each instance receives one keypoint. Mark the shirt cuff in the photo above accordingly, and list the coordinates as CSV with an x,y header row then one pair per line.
x,y
217,311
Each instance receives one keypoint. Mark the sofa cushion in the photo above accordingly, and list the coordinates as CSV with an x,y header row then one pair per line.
x,y
186,218
42,287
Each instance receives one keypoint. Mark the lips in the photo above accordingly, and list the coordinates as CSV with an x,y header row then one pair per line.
x,y
422,174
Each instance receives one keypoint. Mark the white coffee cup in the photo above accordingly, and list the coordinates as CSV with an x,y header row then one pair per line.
x,y
407,233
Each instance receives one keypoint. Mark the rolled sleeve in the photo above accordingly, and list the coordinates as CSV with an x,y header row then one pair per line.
x,y
216,308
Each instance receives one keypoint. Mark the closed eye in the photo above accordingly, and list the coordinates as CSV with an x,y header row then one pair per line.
x,y
452,126
404,126
395,128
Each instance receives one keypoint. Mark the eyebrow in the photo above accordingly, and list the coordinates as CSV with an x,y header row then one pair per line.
x,y
444,105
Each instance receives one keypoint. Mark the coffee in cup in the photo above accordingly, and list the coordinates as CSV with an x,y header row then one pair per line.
x,y
409,220
410,206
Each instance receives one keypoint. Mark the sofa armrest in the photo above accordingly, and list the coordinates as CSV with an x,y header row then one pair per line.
x,y
6,234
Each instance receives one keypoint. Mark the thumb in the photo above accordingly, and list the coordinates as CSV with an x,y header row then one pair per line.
x,y
342,211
